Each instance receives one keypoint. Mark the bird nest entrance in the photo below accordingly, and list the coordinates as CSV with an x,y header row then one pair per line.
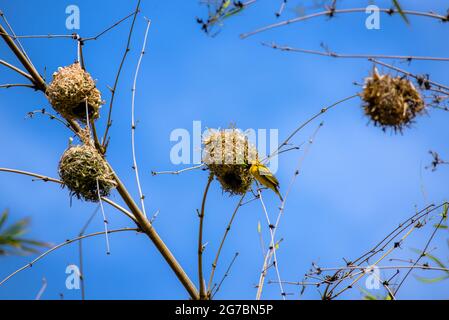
x,y
391,102
73,93
84,171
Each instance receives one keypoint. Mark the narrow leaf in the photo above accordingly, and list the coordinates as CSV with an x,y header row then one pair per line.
x,y
431,280
401,12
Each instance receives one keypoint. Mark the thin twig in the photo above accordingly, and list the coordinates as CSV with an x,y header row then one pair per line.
x,y
29,265
441,86
414,222
48,179
117,77
19,71
271,251
133,122
295,175
155,173
80,253
296,283
14,85
69,36
281,209
281,8
31,174
42,289
228,270
423,253
221,12
120,208
332,12
304,124
40,36
14,34
44,112
105,220
352,56
202,284
111,27
394,267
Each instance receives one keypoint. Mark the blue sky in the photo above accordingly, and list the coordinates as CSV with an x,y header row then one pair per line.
x,y
356,184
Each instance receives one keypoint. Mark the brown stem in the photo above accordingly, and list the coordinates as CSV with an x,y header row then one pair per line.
x,y
97,143
37,79
202,284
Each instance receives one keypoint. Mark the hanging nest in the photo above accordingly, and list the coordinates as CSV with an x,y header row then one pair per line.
x,y
228,155
71,88
80,168
391,102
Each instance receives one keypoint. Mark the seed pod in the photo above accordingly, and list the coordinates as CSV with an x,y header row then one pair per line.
x,y
71,90
80,168
391,102
228,155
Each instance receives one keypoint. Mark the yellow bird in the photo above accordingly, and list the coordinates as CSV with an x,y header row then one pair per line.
x,y
262,174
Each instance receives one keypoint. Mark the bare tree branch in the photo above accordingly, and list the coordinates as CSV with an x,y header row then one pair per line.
x,y
332,12
352,56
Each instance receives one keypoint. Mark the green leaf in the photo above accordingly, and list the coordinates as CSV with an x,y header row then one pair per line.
x,y
369,296
17,229
3,218
445,209
401,12
232,13
11,242
431,280
437,261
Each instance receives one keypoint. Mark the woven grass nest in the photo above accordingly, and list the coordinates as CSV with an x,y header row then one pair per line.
x,y
228,155
80,168
391,102
70,90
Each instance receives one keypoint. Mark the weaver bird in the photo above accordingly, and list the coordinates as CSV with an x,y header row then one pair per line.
x,y
262,174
